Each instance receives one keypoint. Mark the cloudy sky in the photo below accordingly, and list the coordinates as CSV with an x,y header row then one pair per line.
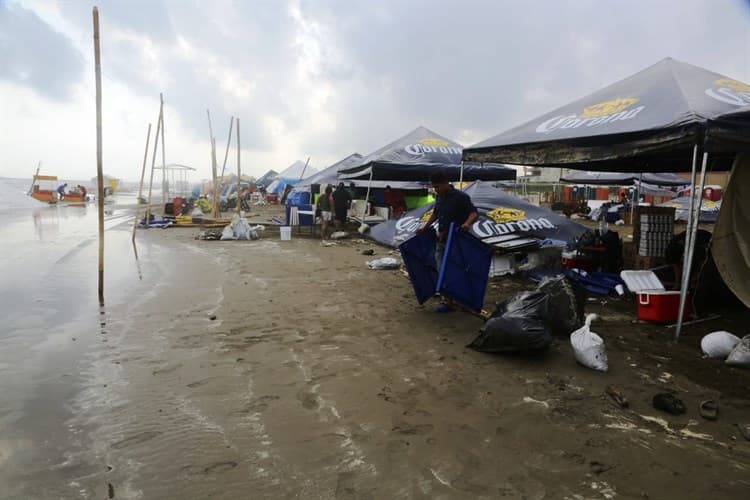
x,y
322,78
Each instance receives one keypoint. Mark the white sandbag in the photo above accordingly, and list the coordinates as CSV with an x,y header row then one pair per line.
x,y
197,212
588,347
228,233
339,235
718,344
740,355
242,229
384,263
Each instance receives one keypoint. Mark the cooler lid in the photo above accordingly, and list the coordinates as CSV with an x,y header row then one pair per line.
x,y
641,281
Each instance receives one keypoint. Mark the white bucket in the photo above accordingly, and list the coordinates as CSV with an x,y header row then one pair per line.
x,y
286,233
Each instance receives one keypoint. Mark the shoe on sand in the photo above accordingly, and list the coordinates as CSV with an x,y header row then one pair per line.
x,y
709,409
443,308
668,403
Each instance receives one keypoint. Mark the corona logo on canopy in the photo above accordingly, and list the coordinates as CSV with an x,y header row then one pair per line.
x,y
502,214
594,115
432,145
730,91
426,216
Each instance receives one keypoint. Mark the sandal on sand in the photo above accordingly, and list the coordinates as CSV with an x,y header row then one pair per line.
x,y
617,396
709,409
668,403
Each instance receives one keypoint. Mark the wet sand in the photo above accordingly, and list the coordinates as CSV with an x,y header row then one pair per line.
x,y
320,378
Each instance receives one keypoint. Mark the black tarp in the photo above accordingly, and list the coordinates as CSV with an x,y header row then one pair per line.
x,y
500,213
648,122
419,154
624,178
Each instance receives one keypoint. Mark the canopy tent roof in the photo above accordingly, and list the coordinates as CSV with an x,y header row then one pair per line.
x,y
267,178
328,175
418,155
297,170
624,179
648,122
500,213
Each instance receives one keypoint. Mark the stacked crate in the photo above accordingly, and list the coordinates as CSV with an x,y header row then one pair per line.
x,y
653,230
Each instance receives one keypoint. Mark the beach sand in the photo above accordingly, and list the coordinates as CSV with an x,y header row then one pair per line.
x,y
287,369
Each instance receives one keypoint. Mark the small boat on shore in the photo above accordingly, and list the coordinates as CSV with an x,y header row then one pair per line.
x,y
44,188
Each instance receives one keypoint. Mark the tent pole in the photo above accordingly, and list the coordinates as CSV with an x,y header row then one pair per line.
x,y
229,141
461,178
153,165
164,189
692,229
239,173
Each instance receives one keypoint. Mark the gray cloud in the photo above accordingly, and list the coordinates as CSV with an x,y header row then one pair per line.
x,y
33,54
342,76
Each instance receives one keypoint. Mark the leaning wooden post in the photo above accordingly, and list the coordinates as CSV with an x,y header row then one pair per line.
x,y
163,154
140,186
215,211
226,152
239,203
153,165
99,168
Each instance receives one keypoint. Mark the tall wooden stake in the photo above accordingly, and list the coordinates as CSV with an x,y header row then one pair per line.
x,y
140,186
239,202
33,180
99,167
163,155
226,152
153,165
215,212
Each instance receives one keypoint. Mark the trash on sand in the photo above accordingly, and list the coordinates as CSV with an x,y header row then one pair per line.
x,y
384,263
719,344
564,312
239,229
516,325
339,235
669,403
740,355
369,251
588,347
210,234
744,430
617,396
709,409
328,243
619,222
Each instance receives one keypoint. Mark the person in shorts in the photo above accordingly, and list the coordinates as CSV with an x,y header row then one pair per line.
x,y
326,209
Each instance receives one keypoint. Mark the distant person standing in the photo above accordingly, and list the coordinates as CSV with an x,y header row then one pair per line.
x,y
342,200
326,208
353,190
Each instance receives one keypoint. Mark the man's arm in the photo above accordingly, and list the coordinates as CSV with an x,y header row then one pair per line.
x,y
466,226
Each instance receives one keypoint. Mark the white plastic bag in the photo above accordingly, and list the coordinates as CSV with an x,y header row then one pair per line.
x,y
718,344
588,347
740,355
384,263
228,233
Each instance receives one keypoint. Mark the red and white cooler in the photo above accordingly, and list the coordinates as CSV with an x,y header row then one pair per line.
x,y
654,302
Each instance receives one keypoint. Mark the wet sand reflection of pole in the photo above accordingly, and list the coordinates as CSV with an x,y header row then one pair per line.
x,y
99,168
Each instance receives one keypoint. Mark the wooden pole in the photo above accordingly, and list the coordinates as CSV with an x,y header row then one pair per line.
x,y
33,180
215,212
99,167
140,186
226,152
153,165
239,203
302,175
163,155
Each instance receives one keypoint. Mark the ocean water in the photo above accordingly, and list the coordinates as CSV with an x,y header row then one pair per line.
x,y
51,320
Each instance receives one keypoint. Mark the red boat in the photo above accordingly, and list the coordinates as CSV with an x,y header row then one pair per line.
x,y
44,189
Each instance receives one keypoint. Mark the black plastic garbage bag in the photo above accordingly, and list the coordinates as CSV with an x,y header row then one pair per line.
x,y
516,325
564,313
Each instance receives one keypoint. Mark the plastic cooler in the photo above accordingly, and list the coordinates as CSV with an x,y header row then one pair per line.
x,y
654,302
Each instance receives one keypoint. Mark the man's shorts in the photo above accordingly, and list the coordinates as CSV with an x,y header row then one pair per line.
x,y
326,216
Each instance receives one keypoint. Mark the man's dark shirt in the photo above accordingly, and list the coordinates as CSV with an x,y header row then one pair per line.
x,y
341,199
454,207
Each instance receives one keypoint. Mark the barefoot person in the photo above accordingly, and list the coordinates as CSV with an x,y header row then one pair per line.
x,y
325,206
